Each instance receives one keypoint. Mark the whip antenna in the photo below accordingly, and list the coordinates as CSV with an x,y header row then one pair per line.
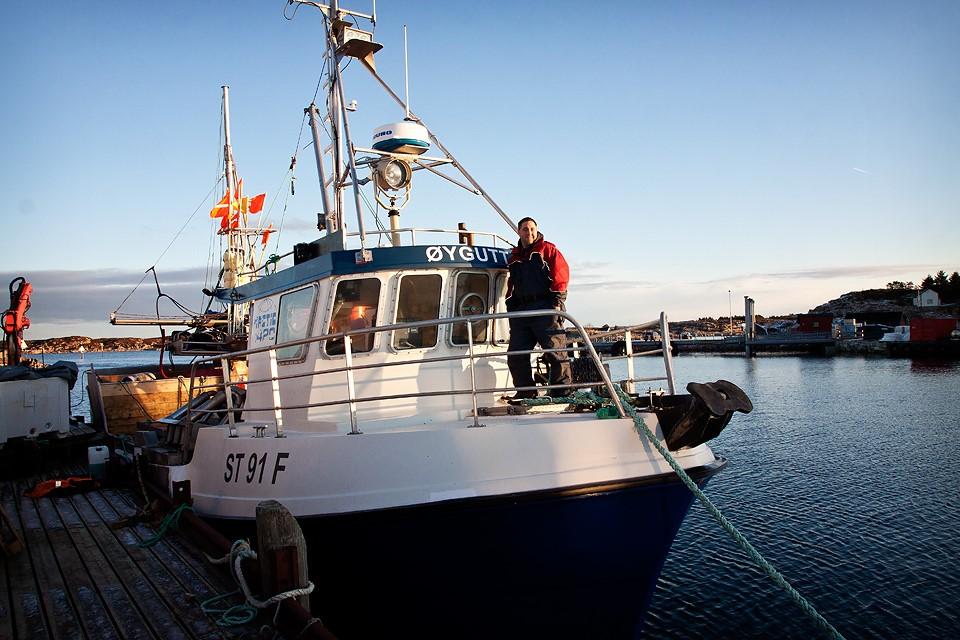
x,y
406,74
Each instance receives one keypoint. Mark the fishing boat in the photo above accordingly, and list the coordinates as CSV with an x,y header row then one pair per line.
x,y
374,409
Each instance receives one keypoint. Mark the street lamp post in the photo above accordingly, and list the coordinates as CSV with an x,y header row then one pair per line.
x,y
730,308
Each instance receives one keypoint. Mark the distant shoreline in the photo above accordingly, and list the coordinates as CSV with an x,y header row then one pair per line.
x,y
82,344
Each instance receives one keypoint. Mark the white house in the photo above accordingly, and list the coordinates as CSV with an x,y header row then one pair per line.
x,y
927,298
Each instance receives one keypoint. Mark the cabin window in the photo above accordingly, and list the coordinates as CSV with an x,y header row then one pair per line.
x,y
354,307
419,299
501,327
471,298
294,322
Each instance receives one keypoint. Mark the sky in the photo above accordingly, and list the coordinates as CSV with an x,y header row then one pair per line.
x,y
681,155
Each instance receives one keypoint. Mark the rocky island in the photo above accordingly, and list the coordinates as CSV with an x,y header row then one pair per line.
x,y
71,344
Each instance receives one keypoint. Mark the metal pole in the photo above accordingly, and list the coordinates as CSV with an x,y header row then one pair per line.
x,y
406,73
351,392
730,309
352,163
667,356
318,152
473,376
333,114
628,336
227,150
275,383
225,365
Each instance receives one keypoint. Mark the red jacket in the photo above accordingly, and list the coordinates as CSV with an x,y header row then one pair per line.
x,y
539,275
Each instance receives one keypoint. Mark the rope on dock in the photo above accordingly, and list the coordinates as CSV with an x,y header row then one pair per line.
x,y
239,551
172,519
744,544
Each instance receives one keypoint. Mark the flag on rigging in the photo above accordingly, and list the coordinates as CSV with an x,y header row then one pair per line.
x,y
229,208
266,235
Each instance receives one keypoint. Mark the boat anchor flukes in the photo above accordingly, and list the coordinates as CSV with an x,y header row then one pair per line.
x,y
691,420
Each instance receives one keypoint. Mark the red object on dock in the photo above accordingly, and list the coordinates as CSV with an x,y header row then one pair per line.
x,y
931,329
814,322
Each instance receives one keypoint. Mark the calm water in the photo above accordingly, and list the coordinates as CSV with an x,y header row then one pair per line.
x,y
845,476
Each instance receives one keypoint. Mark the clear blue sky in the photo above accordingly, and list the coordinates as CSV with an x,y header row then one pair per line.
x,y
673,150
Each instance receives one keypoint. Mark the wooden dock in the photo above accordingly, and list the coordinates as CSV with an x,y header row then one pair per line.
x,y
77,576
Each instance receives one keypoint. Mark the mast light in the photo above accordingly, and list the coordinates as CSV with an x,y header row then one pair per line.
x,y
392,174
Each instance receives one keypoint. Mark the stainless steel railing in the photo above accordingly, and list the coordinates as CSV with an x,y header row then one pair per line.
x,y
664,327
349,368
458,233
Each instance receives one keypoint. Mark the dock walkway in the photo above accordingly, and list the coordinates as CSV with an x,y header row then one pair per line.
x,y
79,577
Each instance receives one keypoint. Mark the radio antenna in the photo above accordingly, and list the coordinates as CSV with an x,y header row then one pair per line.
x,y
406,75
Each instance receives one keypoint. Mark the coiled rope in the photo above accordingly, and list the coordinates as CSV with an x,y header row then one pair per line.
x,y
245,612
759,560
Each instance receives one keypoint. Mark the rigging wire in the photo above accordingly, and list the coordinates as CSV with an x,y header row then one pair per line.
x,y
163,253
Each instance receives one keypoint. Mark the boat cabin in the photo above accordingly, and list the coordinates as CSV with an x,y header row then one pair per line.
x,y
340,293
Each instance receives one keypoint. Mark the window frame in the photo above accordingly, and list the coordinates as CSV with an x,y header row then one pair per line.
x,y
452,305
396,309
304,348
334,286
500,306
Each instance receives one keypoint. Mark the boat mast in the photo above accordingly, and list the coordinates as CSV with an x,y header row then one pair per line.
x,y
234,258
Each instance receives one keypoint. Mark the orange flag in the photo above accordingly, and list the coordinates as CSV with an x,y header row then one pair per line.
x,y
221,208
266,235
254,204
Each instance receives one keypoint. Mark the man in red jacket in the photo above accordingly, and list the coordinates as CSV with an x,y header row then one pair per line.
x,y
538,280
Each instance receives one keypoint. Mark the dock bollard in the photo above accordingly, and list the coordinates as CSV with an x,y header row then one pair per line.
x,y
282,551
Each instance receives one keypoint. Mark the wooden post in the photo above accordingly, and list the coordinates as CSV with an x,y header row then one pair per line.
x,y
10,542
282,551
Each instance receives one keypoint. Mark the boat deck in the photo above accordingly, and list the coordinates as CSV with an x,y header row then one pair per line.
x,y
79,575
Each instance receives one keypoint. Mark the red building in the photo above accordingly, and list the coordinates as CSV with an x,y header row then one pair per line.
x,y
931,329
814,323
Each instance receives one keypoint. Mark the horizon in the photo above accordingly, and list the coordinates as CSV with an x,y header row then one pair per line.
x,y
787,153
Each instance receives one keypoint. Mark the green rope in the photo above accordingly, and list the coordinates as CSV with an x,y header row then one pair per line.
x,y
171,520
588,397
229,616
761,562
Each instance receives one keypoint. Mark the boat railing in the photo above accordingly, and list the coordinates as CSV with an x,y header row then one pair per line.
x,y
665,350
464,236
582,346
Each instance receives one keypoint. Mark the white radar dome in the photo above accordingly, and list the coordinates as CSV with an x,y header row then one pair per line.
x,y
401,137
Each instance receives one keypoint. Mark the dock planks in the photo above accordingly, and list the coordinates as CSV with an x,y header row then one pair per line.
x,y
78,577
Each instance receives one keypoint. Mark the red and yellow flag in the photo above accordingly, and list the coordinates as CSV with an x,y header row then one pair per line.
x,y
229,208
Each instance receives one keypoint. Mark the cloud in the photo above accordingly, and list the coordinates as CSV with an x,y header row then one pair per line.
x,y
829,273
610,284
602,275
587,265
863,171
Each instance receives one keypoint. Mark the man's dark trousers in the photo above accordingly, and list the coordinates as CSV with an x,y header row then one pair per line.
x,y
546,331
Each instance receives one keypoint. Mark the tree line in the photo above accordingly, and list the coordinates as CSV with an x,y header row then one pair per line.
x,y
947,286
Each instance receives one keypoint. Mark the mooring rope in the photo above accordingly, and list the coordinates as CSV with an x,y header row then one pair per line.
x,y
239,551
759,560
171,520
